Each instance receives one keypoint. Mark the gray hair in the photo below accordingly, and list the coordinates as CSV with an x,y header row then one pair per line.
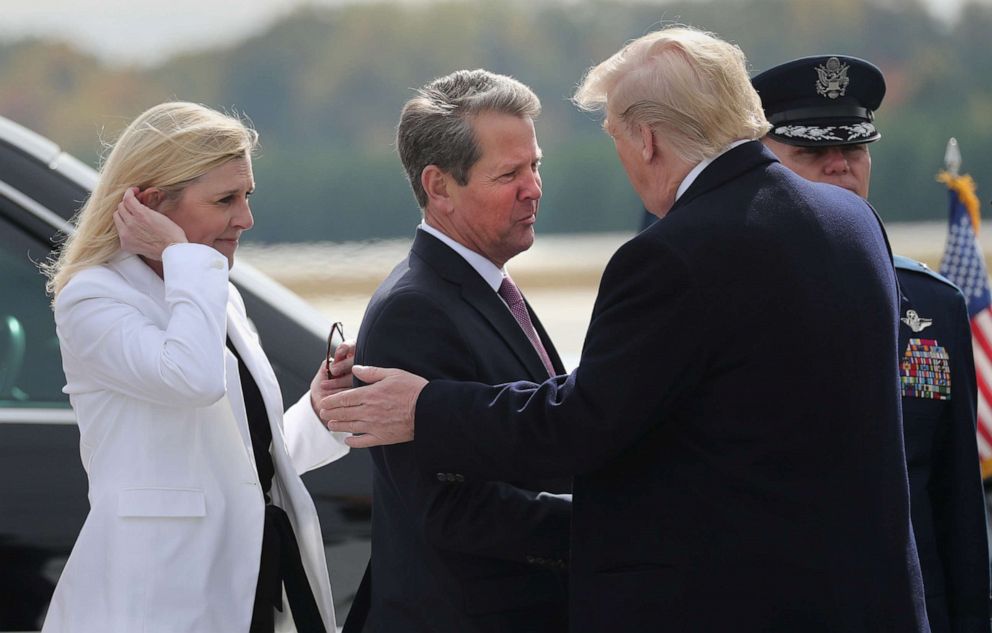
x,y
686,84
435,127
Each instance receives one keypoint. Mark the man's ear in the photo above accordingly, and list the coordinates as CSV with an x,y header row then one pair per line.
x,y
152,197
436,184
648,148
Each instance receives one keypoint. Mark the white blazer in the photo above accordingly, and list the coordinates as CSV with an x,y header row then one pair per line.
x,y
173,537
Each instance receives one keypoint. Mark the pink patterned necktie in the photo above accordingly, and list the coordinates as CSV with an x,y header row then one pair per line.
x,y
509,292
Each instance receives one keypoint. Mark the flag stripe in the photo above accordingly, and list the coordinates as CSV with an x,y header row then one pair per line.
x,y
984,448
983,425
983,363
964,264
983,367
981,332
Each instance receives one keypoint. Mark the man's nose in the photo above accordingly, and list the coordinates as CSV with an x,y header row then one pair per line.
x,y
836,162
531,189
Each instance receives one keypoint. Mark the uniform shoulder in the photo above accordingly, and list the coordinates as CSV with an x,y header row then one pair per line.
x,y
906,264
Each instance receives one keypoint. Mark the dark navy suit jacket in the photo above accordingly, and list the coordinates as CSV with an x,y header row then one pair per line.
x,y
451,554
733,426
938,412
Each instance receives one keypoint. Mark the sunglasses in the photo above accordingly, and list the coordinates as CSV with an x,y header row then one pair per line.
x,y
334,338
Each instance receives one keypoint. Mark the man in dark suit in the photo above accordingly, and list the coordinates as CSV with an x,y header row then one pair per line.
x,y
455,554
733,425
825,138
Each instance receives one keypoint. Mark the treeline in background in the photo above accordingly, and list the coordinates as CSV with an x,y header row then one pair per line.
x,y
324,87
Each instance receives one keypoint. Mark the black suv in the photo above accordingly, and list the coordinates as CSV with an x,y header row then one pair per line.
x,y
42,483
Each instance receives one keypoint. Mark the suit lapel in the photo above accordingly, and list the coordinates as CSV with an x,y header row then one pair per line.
x,y
450,266
488,303
254,358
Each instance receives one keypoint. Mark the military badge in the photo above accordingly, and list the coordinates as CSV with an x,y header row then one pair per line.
x,y
832,79
915,321
925,370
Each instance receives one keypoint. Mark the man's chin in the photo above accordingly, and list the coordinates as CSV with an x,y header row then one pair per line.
x,y
528,239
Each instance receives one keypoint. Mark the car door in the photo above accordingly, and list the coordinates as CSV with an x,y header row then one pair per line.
x,y
42,483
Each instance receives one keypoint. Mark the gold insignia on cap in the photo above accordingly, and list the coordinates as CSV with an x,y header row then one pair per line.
x,y
833,79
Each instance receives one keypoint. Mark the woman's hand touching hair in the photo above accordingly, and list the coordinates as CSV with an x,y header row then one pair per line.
x,y
144,231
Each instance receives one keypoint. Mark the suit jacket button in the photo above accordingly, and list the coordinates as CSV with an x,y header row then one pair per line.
x,y
459,477
529,559
441,477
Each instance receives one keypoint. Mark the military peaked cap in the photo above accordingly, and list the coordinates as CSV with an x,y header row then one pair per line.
x,y
822,100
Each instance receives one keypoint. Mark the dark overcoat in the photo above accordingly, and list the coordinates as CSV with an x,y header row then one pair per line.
x,y
733,426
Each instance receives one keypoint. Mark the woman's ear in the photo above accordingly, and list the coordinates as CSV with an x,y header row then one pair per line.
x,y
152,197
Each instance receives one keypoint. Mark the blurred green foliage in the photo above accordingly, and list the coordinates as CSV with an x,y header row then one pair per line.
x,y
324,87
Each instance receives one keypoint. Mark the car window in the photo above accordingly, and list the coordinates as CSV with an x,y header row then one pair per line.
x,y
30,364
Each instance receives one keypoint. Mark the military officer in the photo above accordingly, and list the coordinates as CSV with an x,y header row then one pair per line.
x,y
822,112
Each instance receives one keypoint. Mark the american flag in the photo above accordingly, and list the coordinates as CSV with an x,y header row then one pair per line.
x,y
964,264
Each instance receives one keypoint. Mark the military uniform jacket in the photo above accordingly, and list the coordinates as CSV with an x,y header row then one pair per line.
x,y
937,379
733,425
452,554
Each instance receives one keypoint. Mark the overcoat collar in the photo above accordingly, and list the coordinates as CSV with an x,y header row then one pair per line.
x,y
725,168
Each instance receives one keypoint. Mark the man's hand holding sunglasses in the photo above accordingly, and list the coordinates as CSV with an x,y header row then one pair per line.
x,y
334,374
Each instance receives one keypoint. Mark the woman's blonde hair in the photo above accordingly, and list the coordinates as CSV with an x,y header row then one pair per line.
x,y
168,147
688,85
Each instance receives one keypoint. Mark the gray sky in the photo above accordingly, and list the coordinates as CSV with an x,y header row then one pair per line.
x,y
145,31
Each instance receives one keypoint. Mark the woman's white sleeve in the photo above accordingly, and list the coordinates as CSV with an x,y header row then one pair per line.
x,y
309,442
114,345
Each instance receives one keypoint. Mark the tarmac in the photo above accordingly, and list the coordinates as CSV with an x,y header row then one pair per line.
x,y
559,275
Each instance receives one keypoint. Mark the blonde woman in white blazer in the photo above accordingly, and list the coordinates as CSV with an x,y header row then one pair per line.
x,y
155,343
